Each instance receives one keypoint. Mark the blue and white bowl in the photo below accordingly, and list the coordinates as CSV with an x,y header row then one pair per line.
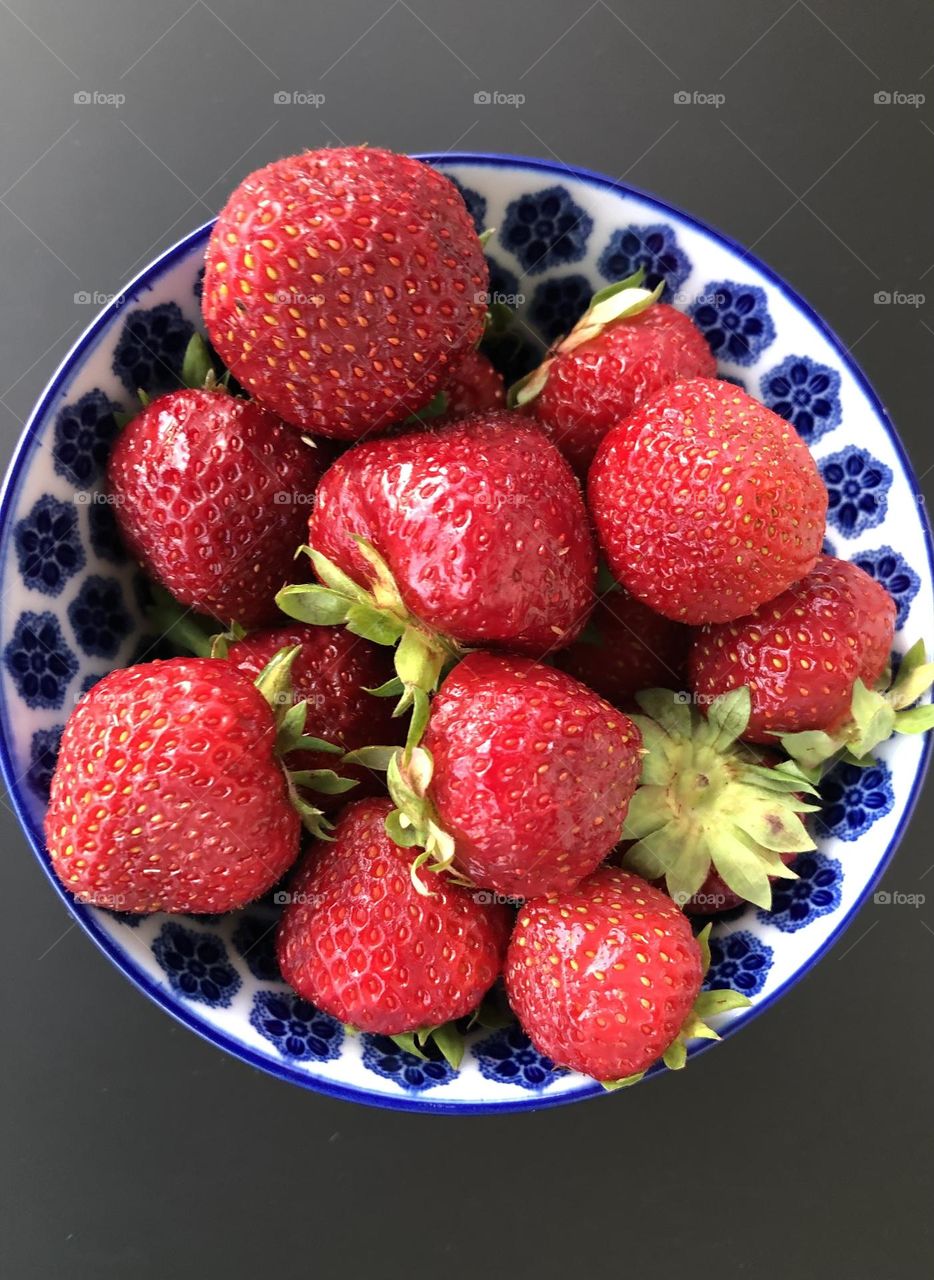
x,y
72,612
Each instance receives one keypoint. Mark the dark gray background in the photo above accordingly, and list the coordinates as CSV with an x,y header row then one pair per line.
x,y
131,1148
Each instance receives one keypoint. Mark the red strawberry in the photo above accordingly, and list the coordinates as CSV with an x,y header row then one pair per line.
x,y
359,941
605,978
801,654
473,534
524,778
606,367
331,672
167,794
706,503
476,386
627,647
342,287
211,494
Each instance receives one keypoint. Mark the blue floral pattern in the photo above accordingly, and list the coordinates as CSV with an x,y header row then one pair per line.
x,y
84,433
105,535
39,661
384,1057
816,892
151,348
857,490
48,545
735,320
98,616
894,573
509,1057
739,961
545,229
855,798
255,939
43,752
297,1029
475,202
653,248
196,965
806,394
557,305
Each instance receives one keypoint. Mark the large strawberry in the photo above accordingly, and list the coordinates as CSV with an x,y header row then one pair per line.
x,y
523,778
359,941
706,503
211,494
470,534
626,647
168,794
709,802
606,978
342,287
626,346
800,654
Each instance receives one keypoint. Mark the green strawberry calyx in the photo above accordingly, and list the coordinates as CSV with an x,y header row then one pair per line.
x,y
623,300
449,1037
695,1027
875,714
707,800
377,613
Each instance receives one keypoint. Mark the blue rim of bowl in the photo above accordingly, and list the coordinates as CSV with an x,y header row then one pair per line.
x,y
162,997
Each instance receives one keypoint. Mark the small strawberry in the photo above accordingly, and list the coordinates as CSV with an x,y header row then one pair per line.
x,y
211,494
706,503
342,286
626,346
470,534
709,802
168,794
523,779
331,673
801,654
606,978
475,387
626,647
359,942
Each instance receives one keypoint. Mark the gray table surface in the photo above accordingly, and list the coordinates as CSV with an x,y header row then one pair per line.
x,y
131,1148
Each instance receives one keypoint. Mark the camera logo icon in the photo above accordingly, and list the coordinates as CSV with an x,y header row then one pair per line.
x,y
483,98
682,98
882,297
282,98
882,98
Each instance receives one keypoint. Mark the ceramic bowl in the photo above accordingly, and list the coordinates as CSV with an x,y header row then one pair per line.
x,y
72,612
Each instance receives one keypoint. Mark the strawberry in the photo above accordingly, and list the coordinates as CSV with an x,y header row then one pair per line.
x,y
626,647
211,494
605,978
167,794
331,673
359,942
706,503
710,803
626,346
523,778
342,286
801,654
470,534
476,386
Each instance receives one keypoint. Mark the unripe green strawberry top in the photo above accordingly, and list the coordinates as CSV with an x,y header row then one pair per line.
x,y
706,503
343,286
167,795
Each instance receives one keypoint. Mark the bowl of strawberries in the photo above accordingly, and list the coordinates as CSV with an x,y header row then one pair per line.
x,y
463,645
